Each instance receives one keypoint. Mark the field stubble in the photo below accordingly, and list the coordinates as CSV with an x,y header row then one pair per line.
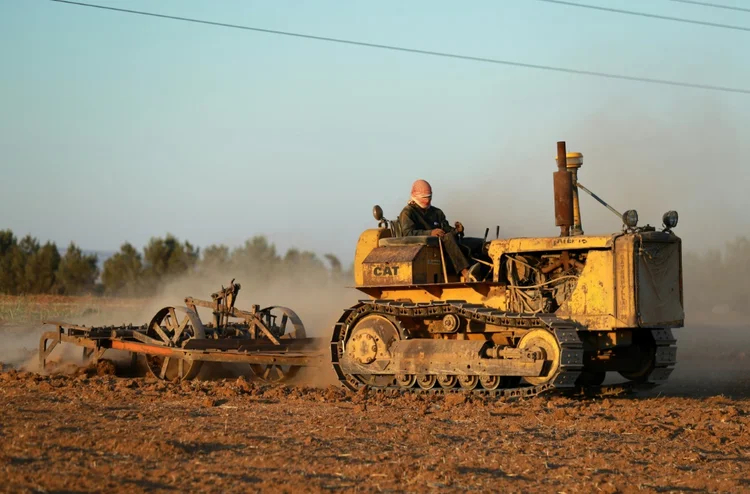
x,y
86,429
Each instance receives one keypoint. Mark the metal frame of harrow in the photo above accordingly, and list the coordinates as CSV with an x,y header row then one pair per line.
x,y
134,339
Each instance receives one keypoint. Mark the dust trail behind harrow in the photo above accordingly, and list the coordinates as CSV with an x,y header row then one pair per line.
x,y
175,344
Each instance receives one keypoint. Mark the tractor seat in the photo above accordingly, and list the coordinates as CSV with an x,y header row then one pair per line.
x,y
413,240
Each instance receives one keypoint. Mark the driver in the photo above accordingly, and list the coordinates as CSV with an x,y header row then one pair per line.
x,y
420,218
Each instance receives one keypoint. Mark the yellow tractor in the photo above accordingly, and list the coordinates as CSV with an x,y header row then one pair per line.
x,y
550,312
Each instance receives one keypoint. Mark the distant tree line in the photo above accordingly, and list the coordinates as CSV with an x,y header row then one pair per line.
x,y
26,267
714,280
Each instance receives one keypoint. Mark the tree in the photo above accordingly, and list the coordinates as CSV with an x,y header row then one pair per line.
x,y
215,257
8,248
25,267
7,241
27,247
168,257
335,265
77,272
123,271
338,275
257,258
303,265
41,269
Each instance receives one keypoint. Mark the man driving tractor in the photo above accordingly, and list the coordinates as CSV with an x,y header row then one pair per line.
x,y
421,218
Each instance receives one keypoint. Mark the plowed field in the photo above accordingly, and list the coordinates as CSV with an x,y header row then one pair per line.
x,y
87,429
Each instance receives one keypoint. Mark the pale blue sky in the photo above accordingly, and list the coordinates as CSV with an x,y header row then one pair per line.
x,y
115,127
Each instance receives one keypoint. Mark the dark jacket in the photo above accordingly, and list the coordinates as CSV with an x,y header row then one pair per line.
x,y
417,221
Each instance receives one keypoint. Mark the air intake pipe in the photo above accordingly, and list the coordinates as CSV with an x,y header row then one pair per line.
x,y
574,162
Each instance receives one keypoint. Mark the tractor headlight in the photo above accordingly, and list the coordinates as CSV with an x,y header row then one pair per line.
x,y
630,218
670,219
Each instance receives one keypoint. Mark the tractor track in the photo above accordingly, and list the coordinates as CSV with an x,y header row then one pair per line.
x,y
565,331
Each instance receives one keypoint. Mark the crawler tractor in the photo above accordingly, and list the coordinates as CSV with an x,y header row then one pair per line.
x,y
553,312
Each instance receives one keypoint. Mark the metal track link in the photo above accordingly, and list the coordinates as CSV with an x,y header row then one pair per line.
x,y
565,331
666,355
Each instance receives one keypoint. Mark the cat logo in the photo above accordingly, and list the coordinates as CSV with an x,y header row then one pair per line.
x,y
385,271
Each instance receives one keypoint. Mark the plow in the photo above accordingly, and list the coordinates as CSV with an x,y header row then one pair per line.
x,y
270,342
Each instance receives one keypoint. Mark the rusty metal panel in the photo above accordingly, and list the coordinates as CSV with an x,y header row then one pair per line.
x,y
366,243
428,267
563,186
390,266
659,283
384,274
563,192
404,253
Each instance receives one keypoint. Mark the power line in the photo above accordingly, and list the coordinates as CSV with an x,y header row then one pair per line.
x,y
470,58
714,5
644,14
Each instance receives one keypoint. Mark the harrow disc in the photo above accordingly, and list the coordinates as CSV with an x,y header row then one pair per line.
x,y
173,330
272,373
284,324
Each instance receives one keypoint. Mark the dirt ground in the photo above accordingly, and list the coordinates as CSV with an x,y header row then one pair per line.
x,y
87,429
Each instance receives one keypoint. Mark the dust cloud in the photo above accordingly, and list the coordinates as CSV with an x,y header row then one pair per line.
x,y
689,162
318,300
20,343
317,297
20,350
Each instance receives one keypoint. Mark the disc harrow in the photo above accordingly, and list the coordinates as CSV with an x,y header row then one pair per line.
x,y
270,342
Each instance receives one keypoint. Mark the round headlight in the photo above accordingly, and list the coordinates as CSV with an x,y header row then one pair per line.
x,y
670,219
630,218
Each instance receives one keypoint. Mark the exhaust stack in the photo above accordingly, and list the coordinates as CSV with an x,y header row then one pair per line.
x,y
563,190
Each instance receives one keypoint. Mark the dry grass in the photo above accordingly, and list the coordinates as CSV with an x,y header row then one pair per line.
x,y
37,308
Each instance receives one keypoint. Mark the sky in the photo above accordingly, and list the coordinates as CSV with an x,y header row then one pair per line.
x,y
116,127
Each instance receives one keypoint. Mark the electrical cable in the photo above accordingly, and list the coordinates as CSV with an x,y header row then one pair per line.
x,y
644,14
650,80
713,5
